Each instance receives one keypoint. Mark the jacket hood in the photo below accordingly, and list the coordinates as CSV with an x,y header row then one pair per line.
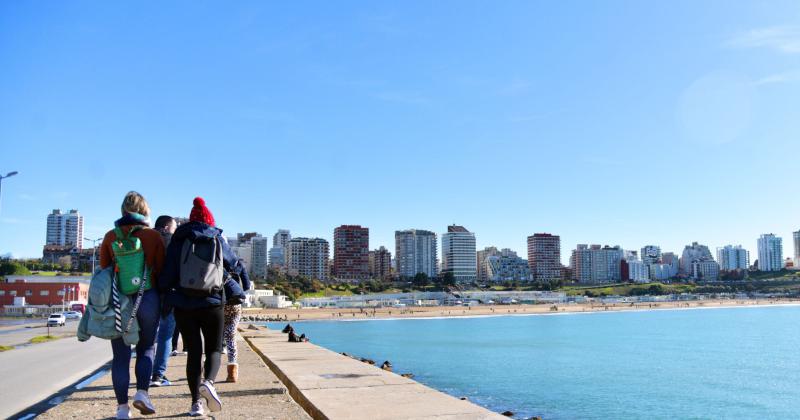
x,y
195,230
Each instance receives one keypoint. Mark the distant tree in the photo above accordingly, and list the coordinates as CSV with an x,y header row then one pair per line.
x,y
65,262
12,268
449,279
421,281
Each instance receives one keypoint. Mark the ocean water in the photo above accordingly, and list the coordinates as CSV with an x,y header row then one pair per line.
x,y
689,364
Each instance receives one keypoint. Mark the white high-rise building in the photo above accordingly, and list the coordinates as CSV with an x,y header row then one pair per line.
x,y
258,256
281,238
770,253
277,254
597,264
308,257
415,252
65,229
731,258
651,254
637,271
692,254
707,270
458,254
796,236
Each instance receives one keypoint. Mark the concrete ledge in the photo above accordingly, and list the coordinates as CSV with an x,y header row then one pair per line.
x,y
330,386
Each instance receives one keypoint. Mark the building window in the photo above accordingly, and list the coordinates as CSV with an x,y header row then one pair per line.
x,y
44,293
29,292
13,293
61,293
2,292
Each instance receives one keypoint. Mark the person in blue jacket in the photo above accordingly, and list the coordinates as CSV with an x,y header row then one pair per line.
x,y
200,319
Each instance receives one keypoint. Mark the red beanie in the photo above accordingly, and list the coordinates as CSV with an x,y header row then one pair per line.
x,y
200,212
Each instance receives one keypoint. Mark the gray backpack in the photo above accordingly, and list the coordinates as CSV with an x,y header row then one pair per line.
x,y
201,269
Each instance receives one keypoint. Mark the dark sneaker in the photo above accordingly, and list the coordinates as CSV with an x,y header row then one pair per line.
x,y
160,381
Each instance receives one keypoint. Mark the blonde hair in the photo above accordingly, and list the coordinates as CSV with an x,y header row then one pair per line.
x,y
135,203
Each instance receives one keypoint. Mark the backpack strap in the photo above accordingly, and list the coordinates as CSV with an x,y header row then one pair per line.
x,y
138,301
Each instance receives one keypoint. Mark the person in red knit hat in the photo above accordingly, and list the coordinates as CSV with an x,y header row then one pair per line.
x,y
199,316
201,213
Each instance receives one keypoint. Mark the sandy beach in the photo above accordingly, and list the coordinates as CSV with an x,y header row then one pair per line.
x,y
308,314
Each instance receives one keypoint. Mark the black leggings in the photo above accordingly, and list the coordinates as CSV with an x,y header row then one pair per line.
x,y
175,336
192,323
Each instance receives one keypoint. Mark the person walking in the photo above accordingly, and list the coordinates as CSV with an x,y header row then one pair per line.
x,y
233,314
165,225
133,244
193,282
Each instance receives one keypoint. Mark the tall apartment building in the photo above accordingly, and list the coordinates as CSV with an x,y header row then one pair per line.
x,y
380,263
796,236
281,238
351,252
458,254
544,256
308,257
246,237
506,267
242,250
277,254
651,254
65,230
731,258
691,254
415,252
635,270
707,270
770,253
258,256
481,267
596,264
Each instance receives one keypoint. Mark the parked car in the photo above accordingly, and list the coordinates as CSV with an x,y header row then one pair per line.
x,y
73,315
56,320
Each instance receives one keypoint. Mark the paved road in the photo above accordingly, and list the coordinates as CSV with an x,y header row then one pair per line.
x,y
22,335
30,374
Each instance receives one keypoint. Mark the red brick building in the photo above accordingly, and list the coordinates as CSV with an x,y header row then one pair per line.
x,y
351,252
53,294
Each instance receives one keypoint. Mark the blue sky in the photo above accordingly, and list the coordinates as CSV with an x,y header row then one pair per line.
x,y
615,122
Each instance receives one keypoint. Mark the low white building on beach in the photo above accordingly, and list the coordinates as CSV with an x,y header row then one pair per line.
x,y
265,298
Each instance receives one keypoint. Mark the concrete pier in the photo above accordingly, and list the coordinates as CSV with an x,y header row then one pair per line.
x,y
329,385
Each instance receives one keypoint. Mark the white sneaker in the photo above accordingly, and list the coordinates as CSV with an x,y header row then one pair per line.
x,y
141,401
197,409
208,392
123,412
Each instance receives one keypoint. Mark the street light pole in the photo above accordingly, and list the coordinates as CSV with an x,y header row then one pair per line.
x,y
94,249
8,175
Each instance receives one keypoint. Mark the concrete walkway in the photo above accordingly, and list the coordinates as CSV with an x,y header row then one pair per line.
x,y
257,395
332,386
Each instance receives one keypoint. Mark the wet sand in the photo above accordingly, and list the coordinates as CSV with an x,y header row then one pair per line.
x,y
307,314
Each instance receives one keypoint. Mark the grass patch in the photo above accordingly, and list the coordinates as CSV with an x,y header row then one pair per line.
x,y
628,289
327,292
6,348
43,339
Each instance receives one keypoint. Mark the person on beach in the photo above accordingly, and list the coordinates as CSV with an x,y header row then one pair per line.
x,y
233,313
133,226
198,299
165,225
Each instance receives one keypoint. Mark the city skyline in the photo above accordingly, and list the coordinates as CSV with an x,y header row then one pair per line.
x,y
511,119
791,247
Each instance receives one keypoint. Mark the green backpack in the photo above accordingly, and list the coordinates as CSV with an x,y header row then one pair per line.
x,y
129,261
